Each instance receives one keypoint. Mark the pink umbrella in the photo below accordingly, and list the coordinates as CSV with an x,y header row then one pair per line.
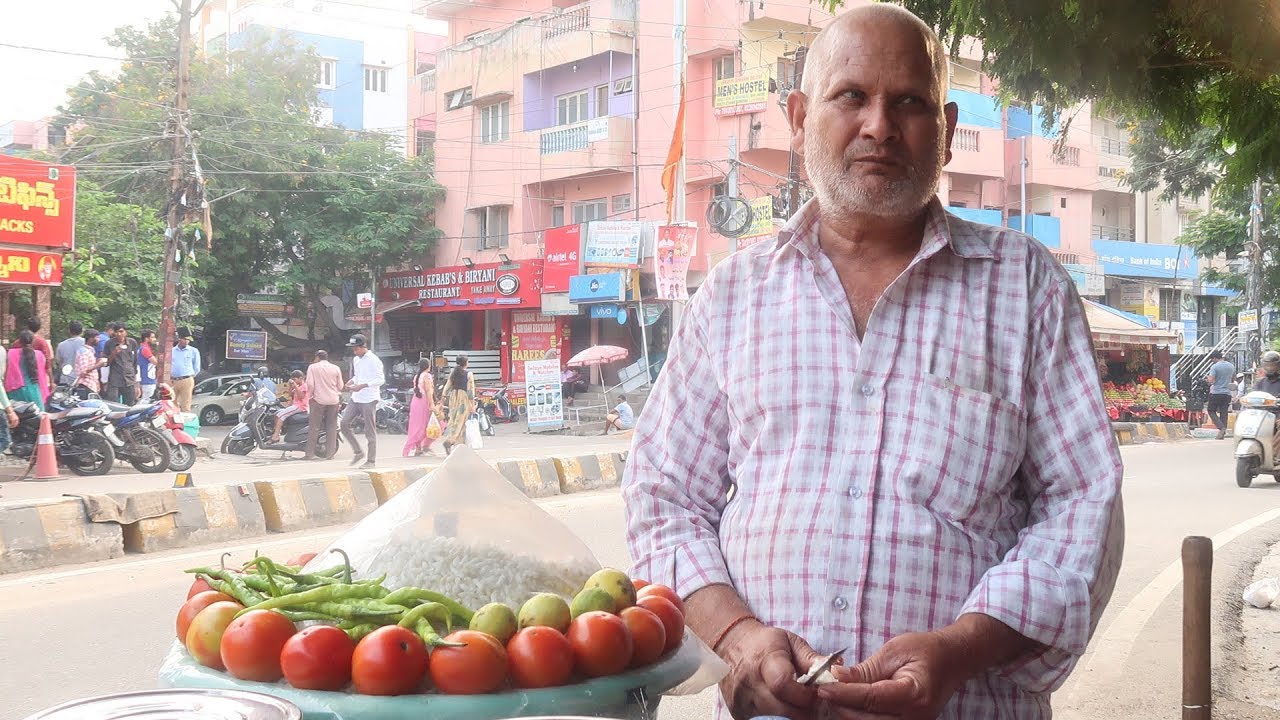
x,y
598,355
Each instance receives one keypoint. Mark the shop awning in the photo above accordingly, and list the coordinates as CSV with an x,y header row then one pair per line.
x,y
382,308
1111,327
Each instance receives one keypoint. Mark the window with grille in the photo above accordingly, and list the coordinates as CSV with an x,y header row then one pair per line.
x,y
1170,305
725,67
375,79
602,101
589,210
621,203
622,87
557,215
455,99
327,73
494,122
492,226
424,140
571,108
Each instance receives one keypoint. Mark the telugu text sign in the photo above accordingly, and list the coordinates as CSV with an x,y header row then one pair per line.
x,y
30,268
37,203
746,93
246,345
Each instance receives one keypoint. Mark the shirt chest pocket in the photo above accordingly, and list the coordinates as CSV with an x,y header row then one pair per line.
x,y
962,451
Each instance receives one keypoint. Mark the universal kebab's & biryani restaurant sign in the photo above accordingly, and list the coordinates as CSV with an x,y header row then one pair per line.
x,y
487,286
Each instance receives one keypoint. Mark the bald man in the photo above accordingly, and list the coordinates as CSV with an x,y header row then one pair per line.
x,y
857,442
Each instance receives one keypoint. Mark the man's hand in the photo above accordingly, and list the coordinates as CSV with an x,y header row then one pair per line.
x,y
911,677
764,662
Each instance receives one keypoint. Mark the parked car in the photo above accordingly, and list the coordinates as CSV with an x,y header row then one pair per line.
x,y
217,383
223,402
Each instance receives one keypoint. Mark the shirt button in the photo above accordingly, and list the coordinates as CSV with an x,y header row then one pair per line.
x,y
855,492
840,603
868,390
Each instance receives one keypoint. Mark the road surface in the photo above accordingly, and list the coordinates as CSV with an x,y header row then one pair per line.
x,y
102,628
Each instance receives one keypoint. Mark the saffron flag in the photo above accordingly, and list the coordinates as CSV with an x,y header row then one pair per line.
x,y
674,153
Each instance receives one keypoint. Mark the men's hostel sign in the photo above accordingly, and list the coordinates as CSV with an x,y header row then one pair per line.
x,y
37,203
746,93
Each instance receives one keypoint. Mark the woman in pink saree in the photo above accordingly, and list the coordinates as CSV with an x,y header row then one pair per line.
x,y
421,409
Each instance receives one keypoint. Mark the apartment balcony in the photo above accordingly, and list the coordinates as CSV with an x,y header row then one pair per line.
x,y
1072,167
977,151
1112,232
585,148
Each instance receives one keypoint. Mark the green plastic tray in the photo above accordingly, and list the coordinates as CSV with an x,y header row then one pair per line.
x,y
629,695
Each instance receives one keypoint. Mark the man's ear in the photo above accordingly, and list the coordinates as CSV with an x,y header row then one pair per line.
x,y
952,111
797,110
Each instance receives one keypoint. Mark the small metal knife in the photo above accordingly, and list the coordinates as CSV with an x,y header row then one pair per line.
x,y
810,677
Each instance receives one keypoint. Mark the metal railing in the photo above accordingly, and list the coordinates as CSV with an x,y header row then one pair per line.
x,y
564,139
966,139
1068,156
571,20
1113,146
1113,232
1195,361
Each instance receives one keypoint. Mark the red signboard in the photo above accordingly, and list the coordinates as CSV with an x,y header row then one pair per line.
x,y
30,268
533,337
562,256
37,203
487,286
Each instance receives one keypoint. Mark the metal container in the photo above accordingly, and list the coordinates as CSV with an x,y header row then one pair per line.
x,y
176,704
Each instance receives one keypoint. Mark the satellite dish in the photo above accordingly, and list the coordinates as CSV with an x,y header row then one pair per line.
x,y
730,216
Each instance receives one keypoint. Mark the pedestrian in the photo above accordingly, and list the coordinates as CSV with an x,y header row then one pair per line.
x,y
41,345
790,497
85,379
620,418
27,375
101,349
66,353
367,376
421,409
459,396
147,365
1221,373
185,366
324,387
1196,399
122,366
11,418
299,402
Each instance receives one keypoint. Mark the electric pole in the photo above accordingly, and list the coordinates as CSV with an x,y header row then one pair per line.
x,y
793,161
177,195
1253,292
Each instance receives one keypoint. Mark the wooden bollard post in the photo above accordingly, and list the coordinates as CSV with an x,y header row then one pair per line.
x,y
1197,583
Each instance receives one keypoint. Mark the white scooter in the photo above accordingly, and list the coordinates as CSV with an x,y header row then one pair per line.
x,y
1255,428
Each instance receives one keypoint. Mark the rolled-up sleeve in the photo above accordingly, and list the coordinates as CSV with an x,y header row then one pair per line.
x,y
1053,585
676,479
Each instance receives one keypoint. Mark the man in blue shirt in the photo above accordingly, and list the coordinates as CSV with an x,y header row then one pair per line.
x,y
186,365
66,354
1221,376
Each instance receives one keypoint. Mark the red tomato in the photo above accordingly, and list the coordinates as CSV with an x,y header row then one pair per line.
x,y
539,657
317,658
648,635
601,644
252,643
389,661
640,584
479,667
192,607
300,560
671,617
662,591
200,585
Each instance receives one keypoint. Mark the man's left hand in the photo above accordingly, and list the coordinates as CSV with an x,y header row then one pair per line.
x,y
911,677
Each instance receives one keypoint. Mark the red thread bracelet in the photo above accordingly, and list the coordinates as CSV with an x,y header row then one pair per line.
x,y
729,627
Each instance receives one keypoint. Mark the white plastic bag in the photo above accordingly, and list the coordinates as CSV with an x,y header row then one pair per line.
x,y
1262,593
473,434
467,532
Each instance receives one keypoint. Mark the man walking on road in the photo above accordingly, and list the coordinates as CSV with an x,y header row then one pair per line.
x,y
186,365
366,382
66,354
324,382
1221,375
122,366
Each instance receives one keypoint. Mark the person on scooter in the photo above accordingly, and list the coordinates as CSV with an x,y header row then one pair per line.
x,y
301,399
1270,383
262,381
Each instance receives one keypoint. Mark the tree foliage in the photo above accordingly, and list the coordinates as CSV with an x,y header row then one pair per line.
x,y
294,204
1182,64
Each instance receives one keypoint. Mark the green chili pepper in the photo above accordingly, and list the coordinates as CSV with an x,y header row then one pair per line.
x,y
358,631
408,595
327,593
358,610
346,564
231,584
420,620
303,615
266,567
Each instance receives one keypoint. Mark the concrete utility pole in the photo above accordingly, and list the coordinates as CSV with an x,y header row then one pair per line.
x,y
793,162
1253,292
177,179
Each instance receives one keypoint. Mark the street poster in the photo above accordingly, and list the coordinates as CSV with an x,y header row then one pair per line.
x,y
263,305
562,257
37,203
1248,321
746,93
246,345
613,243
545,403
533,337
30,268
671,262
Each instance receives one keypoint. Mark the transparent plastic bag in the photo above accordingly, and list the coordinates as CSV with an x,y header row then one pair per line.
x,y
1262,593
467,532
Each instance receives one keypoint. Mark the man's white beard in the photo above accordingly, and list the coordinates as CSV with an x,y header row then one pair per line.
x,y
846,194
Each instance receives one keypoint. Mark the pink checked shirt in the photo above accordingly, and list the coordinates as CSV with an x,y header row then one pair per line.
x,y
956,459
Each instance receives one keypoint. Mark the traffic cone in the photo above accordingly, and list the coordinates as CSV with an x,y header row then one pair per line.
x,y
46,455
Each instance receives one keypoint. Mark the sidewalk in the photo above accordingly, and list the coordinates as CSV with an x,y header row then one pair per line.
x,y
510,443
1250,682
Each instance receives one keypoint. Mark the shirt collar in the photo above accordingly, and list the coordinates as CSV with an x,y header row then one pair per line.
x,y
941,230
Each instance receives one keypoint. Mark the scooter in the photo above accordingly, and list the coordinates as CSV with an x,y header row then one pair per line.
x,y
257,422
79,433
182,447
1255,427
498,408
135,440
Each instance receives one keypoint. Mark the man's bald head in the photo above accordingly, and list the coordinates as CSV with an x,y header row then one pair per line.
x,y
877,15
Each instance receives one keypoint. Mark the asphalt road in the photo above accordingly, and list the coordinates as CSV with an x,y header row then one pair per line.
x,y
102,628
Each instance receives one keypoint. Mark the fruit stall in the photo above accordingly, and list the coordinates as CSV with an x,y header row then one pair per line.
x,y
458,598
1132,358
1147,400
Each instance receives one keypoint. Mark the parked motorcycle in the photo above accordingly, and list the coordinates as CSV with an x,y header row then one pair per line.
x,y
170,423
391,415
135,440
257,422
498,408
1255,428
79,433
